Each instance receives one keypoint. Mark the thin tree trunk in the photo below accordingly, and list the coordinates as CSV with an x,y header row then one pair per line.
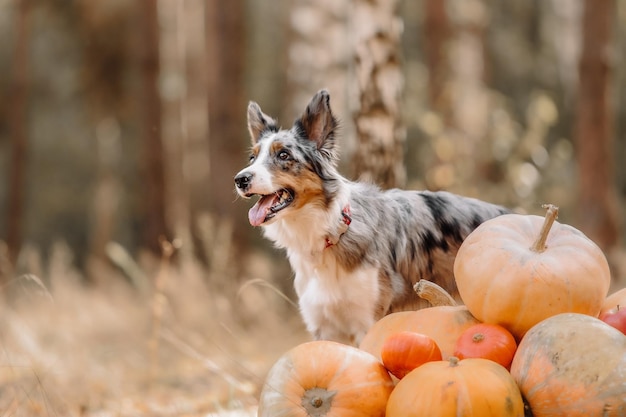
x,y
225,37
17,127
462,101
598,212
153,203
436,37
470,105
185,121
105,64
379,79
320,55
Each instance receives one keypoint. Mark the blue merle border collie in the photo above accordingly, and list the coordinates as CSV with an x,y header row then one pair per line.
x,y
356,250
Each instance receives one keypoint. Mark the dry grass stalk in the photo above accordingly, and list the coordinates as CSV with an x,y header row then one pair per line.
x,y
264,283
159,302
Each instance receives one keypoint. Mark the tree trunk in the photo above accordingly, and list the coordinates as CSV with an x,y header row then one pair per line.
x,y
225,37
18,116
105,64
153,204
459,98
379,81
320,57
598,212
436,37
185,122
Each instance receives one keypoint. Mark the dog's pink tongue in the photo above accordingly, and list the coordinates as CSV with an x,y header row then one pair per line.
x,y
258,212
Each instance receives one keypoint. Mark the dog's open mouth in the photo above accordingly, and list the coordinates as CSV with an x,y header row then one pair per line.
x,y
268,205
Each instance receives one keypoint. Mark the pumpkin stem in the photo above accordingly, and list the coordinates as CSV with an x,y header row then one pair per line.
x,y
478,337
433,293
317,401
453,360
552,214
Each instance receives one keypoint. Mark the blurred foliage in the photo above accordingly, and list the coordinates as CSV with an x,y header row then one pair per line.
x,y
501,130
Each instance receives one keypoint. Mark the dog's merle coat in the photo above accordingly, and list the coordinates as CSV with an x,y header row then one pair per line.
x,y
356,250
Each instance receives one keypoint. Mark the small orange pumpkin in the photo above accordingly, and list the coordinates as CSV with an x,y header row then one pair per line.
x,y
487,341
468,387
324,378
442,323
404,351
516,270
572,365
618,298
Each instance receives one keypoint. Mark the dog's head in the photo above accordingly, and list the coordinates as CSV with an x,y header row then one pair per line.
x,y
290,169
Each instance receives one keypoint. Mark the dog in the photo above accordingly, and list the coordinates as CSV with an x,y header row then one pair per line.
x,y
356,250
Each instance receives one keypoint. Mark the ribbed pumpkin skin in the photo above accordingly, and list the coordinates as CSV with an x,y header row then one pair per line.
x,y
471,388
502,281
444,324
572,365
328,379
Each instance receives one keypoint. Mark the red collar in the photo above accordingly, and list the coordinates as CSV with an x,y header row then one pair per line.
x,y
346,218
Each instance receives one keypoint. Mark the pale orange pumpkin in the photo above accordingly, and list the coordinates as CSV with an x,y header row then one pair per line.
x,y
469,387
324,378
572,365
442,323
516,270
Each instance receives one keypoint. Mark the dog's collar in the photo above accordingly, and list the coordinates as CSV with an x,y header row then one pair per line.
x,y
346,219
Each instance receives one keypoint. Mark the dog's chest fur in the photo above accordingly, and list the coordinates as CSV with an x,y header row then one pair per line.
x,y
395,238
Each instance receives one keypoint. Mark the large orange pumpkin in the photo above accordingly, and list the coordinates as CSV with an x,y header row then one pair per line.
x,y
516,270
328,379
470,388
443,323
572,365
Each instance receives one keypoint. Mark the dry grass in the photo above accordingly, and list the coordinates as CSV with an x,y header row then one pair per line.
x,y
180,341
181,349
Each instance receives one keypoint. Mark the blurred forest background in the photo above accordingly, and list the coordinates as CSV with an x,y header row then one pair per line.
x,y
127,263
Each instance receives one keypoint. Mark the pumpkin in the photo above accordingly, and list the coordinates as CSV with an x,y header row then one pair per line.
x,y
572,365
618,298
468,387
404,351
325,378
442,323
487,341
516,270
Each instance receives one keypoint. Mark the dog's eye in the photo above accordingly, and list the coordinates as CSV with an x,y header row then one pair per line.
x,y
283,155
251,158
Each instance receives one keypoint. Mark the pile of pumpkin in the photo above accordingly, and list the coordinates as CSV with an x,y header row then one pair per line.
x,y
532,338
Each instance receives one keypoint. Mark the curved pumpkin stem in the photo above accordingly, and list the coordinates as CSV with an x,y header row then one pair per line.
x,y
433,293
551,215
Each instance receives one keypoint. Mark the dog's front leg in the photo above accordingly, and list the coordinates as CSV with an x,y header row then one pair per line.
x,y
337,304
323,323
336,335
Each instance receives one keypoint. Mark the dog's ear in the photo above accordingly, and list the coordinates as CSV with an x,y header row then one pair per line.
x,y
318,123
259,122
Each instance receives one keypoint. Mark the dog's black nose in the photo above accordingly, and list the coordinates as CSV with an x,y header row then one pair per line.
x,y
243,179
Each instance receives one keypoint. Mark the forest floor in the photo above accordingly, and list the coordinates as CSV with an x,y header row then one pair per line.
x,y
196,343
186,350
